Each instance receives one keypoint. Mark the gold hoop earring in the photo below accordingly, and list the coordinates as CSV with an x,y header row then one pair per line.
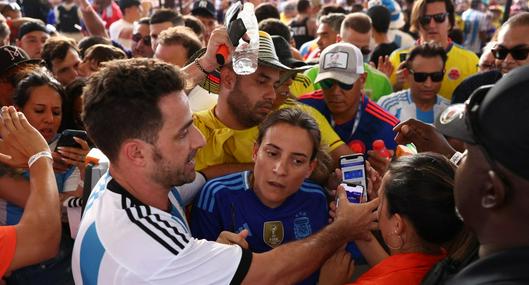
x,y
401,243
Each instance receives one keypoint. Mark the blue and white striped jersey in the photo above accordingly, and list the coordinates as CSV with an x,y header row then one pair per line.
x,y
400,104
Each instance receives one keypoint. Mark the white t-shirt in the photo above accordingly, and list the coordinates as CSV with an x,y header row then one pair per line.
x,y
115,29
400,104
123,241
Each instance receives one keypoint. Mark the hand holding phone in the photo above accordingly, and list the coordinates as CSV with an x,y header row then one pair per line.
x,y
66,138
353,169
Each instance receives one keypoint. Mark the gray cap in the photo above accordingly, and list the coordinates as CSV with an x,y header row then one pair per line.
x,y
342,62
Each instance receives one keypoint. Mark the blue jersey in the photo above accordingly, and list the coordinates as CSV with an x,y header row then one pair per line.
x,y
374,123
229,203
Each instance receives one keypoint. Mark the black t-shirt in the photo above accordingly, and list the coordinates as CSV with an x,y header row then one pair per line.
x,y
471,83
382,50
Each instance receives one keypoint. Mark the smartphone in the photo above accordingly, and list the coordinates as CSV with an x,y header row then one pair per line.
x,y
353,169
403,56
66,138
355,193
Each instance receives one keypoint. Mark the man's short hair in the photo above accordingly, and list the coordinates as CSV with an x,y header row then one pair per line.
x,y
303,6
124,4
144,21
166,15
419,9
359,22
266,11
427,50
102,53
328,9
520,19
87,42
4,31
194,24
113,114
57,48
334,20
275,27
380,18
183,36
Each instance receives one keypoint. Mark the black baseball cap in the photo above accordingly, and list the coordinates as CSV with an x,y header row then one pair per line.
x,y
31,27
12,56
124,4
496,119
203,7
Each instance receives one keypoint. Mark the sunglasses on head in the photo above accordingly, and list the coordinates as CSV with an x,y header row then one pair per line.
x,y
422,76
328,83
517,53
138,37
438,18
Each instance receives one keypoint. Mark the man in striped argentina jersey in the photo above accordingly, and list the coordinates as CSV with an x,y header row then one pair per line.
x,y
424,73
274,202
133,230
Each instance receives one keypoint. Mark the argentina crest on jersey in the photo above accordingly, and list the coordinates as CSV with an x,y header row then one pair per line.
x,y
302,228
273,233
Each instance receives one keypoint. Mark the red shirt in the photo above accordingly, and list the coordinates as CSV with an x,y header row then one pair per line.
x,y
8,242
400,269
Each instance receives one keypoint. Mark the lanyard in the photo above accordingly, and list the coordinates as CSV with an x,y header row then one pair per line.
x,y
356,123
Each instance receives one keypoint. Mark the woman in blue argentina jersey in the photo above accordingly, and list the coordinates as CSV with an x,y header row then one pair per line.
x,y
275,202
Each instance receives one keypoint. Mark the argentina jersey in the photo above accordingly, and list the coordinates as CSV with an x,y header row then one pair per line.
x,y
124,241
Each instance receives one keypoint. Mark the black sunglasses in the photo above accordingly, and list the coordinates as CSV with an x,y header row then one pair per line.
x,y
438,18
422,76
328,83
138,37
518,52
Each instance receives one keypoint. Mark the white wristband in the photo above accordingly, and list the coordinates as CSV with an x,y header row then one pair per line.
x,y
38,155
457,157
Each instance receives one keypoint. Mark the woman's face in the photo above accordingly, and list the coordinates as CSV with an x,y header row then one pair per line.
x,y
282,163
44,110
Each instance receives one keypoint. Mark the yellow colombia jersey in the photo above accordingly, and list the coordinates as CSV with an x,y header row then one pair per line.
x,y
461,63
225,145
301,85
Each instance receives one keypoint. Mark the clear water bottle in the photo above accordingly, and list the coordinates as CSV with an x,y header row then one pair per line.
x,y
245,55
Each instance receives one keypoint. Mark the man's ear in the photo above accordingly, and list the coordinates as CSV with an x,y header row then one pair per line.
x,y
494,191
338,38
227,78
135,151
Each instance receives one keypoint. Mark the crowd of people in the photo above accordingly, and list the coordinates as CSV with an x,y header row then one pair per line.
x,y
217,177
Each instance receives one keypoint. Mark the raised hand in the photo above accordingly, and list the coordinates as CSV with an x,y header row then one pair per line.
x,y
19,139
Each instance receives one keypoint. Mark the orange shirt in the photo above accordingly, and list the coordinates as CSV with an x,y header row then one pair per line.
x,y
400,269
8,242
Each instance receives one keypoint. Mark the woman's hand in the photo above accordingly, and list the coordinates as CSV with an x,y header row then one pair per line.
x,y
75,156
227,237
338,269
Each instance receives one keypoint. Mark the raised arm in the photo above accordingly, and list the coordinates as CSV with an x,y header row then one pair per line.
x,y
94,24
294,261
39,231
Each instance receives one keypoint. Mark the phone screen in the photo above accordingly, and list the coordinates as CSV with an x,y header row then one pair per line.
x,y
353,169
355,193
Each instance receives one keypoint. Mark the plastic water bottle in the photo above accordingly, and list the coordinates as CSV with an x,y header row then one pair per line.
x,y
380,147
245,55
